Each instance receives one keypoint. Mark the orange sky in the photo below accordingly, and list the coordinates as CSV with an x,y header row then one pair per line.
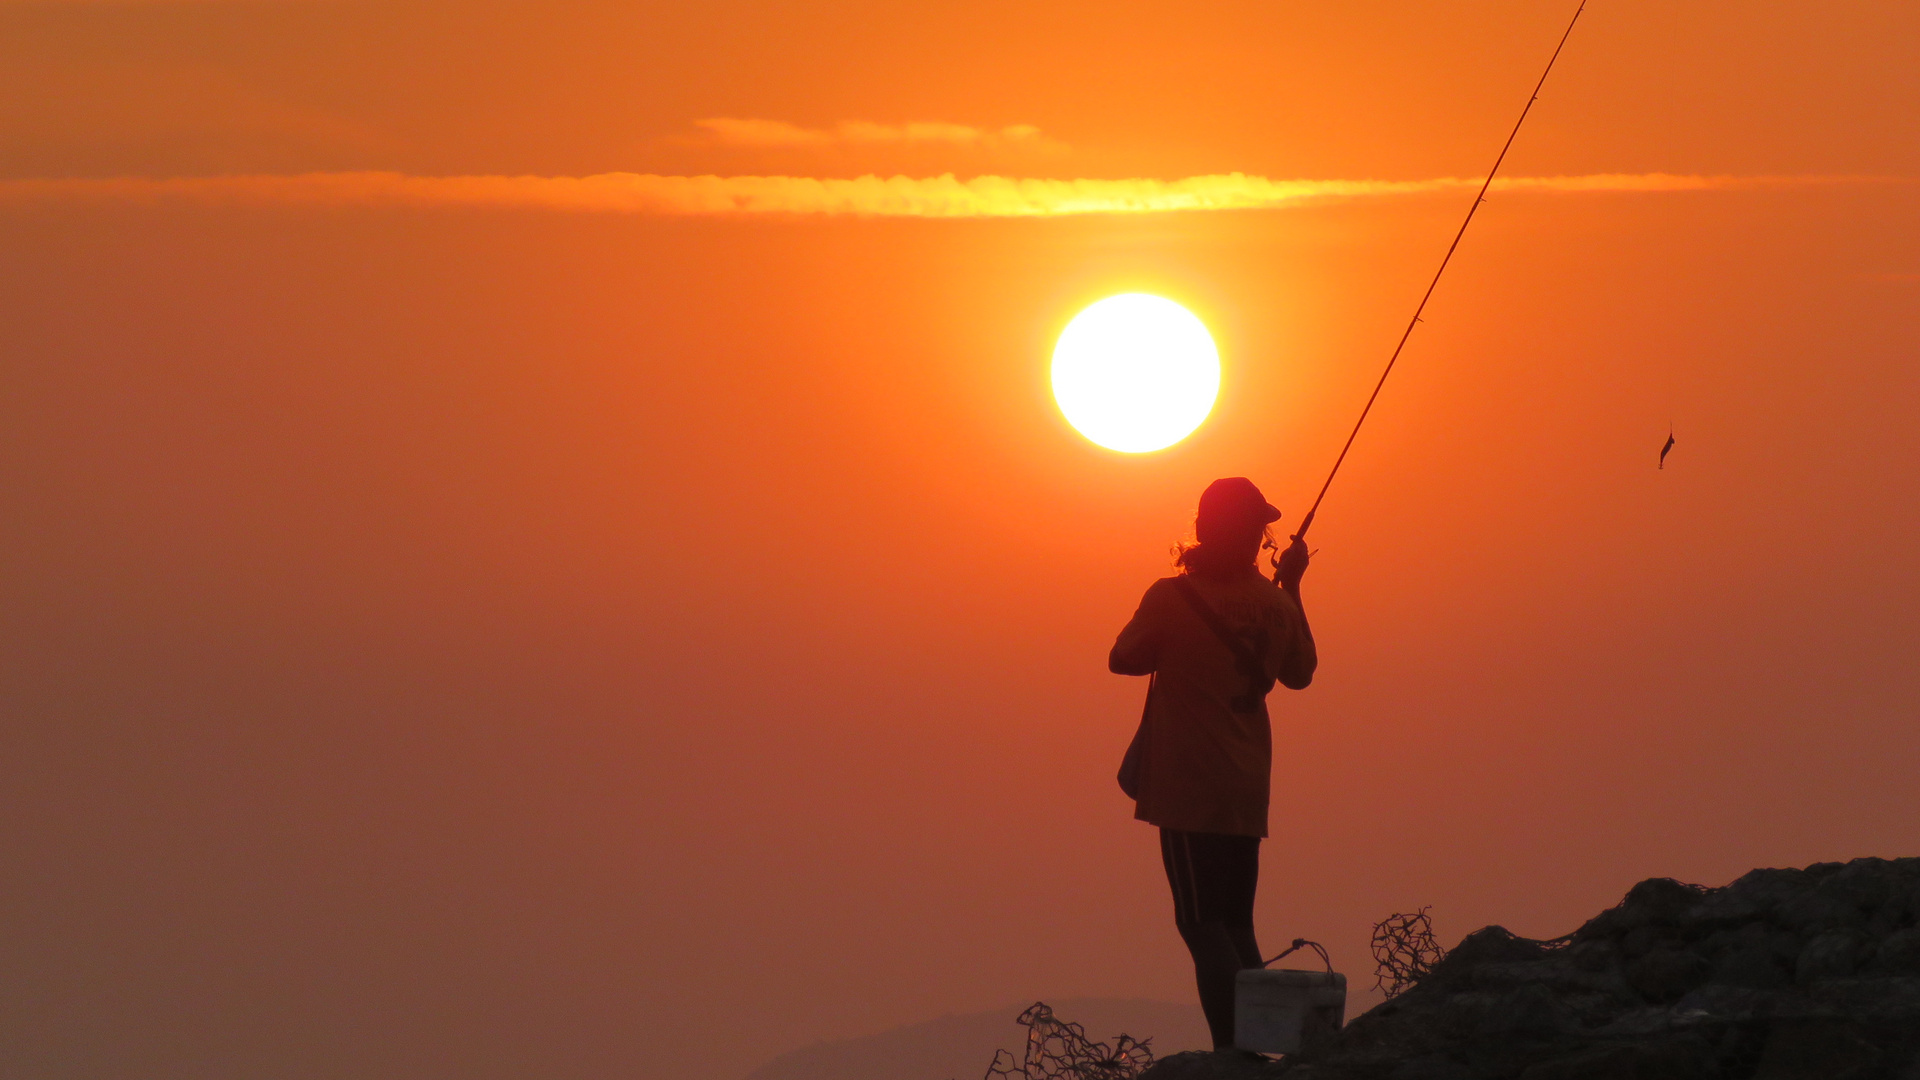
x,y
447,638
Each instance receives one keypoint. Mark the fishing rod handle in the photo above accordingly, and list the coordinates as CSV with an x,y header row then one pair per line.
x,y
1305,524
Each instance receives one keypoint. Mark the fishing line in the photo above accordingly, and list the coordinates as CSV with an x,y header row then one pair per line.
x,y
1307,522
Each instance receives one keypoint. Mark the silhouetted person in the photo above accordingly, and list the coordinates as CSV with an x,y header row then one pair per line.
x,y
1215,638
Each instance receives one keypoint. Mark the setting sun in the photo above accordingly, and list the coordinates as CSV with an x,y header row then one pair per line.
x,y
1135,373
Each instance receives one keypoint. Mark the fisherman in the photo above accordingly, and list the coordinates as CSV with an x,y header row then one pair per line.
x,y
1214,638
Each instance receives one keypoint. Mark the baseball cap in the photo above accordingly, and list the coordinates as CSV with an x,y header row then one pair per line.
x,y
1232,503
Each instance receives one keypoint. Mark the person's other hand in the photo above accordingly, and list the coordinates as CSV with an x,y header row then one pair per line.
x,y
1292,565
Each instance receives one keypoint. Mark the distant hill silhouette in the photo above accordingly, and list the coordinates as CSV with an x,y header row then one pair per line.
x,y
959,1047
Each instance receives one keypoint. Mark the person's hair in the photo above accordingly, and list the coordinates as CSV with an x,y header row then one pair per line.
x,y
1216,559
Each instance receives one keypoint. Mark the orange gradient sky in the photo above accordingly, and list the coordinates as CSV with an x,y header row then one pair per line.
x,y
451,633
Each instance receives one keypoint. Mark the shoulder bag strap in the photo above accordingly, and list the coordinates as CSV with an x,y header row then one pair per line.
x,y
1248,661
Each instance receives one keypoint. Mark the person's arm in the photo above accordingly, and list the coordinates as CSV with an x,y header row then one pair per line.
x,y
1137,650
1298,658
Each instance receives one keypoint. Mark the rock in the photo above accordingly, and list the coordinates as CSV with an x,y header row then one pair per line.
x,y
1864,884
1758,894
1754,955
1432,1067
1835,954
1819,1049
1642,940
1782,975
1872,998
1488,945
1754,966
1594,956
1684,1058
1734,1004
1665,974
1663,900
1217,1065
1813,912
1655,902
1898,953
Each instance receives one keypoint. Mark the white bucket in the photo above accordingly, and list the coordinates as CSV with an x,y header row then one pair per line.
x,y
1282,1011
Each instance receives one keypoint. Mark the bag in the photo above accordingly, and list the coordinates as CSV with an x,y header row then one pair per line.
x,y
1130,764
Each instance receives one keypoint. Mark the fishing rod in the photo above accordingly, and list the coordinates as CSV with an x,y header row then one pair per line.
x,y
1307,522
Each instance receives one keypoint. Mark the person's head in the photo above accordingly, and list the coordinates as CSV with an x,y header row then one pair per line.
x,y
1229,529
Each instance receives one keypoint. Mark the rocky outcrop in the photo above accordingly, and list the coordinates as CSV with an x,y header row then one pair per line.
x,y
1783,974
1807,974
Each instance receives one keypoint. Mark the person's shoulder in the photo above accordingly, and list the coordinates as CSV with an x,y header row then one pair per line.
x,y
1284,602
1162,591
1262,589
1163,585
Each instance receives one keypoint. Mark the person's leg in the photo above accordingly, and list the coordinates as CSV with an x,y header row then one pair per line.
x,y
1212,878
1234,870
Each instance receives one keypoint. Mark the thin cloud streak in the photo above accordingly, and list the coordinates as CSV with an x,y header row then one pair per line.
x,y
734,131
867,196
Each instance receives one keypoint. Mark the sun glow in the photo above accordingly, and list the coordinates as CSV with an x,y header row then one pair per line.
x,y
1135,373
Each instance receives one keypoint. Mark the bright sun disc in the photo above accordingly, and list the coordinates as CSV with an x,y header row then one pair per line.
x,y
1135,373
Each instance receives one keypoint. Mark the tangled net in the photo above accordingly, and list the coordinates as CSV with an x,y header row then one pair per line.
x,y
1404,950
1058,1050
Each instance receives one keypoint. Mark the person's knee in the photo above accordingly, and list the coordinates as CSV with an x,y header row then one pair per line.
x,y
1216,926
1217,934
1226,937
1246,944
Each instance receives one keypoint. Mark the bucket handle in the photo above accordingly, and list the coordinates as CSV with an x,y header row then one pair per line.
x,y
1300,943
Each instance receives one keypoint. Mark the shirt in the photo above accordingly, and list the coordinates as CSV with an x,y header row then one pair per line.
x,y
1203,766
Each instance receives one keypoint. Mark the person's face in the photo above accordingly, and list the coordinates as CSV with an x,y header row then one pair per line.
x,y
1248,538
